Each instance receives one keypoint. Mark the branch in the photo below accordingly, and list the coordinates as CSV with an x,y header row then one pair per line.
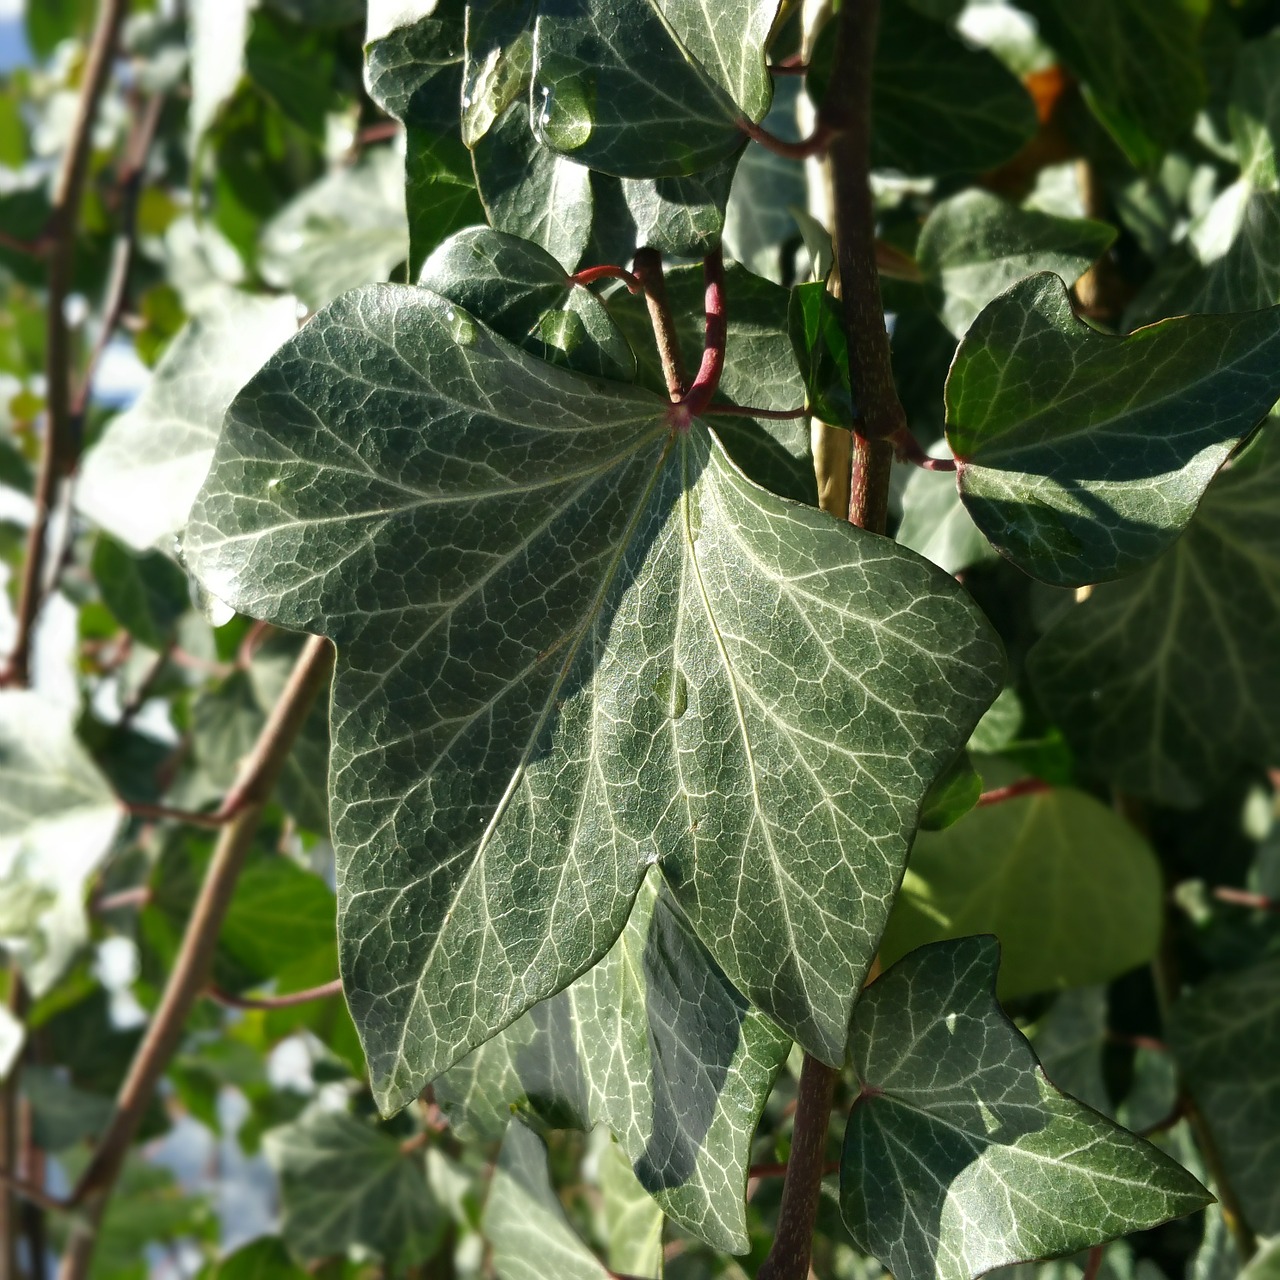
x,y
190,972
1023,787
34,1194
60,445
814,145
648,270
286,1001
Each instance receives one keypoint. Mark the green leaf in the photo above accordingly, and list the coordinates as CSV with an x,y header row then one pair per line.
x,y
346,230
1254,111
62,1115
654,1043
58,819
499,58
952,796
343,1183
219,30
822,351
681,216
523,632
936,523
1082,456
263,1259
1071,890
524,1221
1140,64
1069,1042
633,1221
975,245
1265,1264
522,293
1166,682
1225,1037
146,593
141,478
760,370
960,1156
648,88
12,1037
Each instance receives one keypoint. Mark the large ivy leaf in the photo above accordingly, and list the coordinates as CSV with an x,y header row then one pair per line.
x,y
58,819
525,1222
522,293
960,1156
141,478
648,88
1083,456
1225,1036
1165,682
1071,890
975,245
654,1043
541,594
343,1183
1140,64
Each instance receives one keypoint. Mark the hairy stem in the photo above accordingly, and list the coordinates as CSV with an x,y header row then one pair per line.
x,y
60,443
190,973
648,270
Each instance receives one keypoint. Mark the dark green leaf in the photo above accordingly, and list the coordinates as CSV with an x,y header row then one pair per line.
x,y
146,593
952,796
503,680
1083,456
1165,682
960,1156
655,1044
936,524
818,339
263,1259
1071,890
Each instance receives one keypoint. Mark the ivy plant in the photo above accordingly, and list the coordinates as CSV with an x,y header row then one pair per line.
x,y
668,665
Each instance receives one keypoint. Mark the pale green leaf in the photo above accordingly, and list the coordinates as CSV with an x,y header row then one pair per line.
x,y
541,593
960,1156
632,1218
522,293
498,58
1225,1037
12,1037
1082,456
654,1043
58,819
524,1221
1265,1264
343,1183
1140,64
218,32
1254,110
975,245
1166,682
141,478
1071,890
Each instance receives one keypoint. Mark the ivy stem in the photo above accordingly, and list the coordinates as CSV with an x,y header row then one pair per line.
x,y
189,975
1023,787
286,1001
647,266
707,381
814,145
1244,898
60,445
746,411
589,275
793,1242
163,813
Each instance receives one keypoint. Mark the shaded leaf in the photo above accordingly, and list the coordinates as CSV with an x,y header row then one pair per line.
x,y
343,1183
952,796
58,819
1225,1036
632,1219
146,593
975,245
522,632
936,523
822,351
960,1156
1071,890
139,481
263,1259
1082,456
654,1043
1165,682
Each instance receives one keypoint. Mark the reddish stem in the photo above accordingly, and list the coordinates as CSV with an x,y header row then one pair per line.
x,y
138,896
908,449
747,411
695,401
286,1001
792,65
589,275
1244,898
780,1170
814,145
1023,787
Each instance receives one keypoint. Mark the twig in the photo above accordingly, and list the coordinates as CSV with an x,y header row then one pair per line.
x,y
163,813
707,380
286,1001
1244,898
647,266
1094,1264
589,275
189,975
747,411
1023,787
137,699
58,455
814,145
36,1195
138,896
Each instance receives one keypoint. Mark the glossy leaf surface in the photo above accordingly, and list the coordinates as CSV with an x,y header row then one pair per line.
x,y
522,631
1083,456
960,1156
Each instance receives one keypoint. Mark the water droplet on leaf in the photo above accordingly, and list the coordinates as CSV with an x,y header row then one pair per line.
x,y
565,105
461,328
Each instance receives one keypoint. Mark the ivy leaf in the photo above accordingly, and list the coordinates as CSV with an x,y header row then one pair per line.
x,y
960,1156
12,1037
524,631
141,478
818,339
936,523
522,293
975,246
1141,66
654,1043
498,51
1071,890
1082,456
1254,111
632,1219
664,103
525,1222
265,1258
1225,1036
146,593
343,1183
219,30
1166,682
58,819
680,216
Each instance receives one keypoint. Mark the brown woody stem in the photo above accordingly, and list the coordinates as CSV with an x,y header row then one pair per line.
x,y
647,266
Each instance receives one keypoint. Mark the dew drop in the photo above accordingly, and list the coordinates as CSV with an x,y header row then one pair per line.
x,y
461,327
567,94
